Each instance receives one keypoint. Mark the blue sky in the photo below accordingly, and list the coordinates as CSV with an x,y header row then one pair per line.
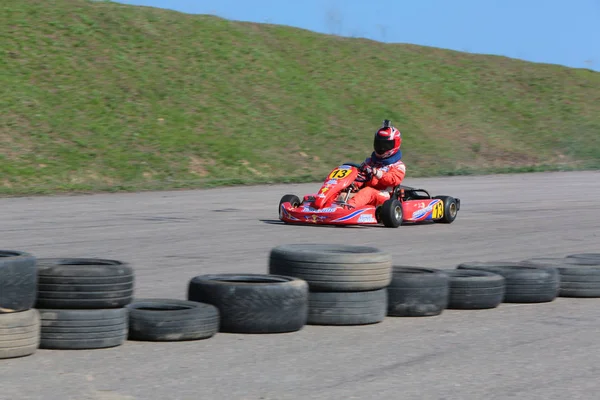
x,y
550,31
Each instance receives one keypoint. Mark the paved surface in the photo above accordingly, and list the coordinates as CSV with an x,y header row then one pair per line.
x,y
538,351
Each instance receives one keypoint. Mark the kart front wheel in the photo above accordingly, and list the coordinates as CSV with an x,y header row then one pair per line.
x,y
292,199
391,213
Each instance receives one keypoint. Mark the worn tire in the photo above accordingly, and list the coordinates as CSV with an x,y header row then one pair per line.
x,y
253,303
83,329
578,277
19,333
333,267
18,281
592,258
473,289
84,283
524,283
347,308
417,292
171,320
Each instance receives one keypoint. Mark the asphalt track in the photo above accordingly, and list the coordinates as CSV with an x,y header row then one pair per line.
x,y
537,351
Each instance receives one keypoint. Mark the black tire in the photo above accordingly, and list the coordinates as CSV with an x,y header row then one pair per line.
x,y
170,320
391,213
578,277
347,308
473,289
333,267
592,258
524,283
292,198
451,207
253,303
84,283
19,333
417,292
83,329
18,281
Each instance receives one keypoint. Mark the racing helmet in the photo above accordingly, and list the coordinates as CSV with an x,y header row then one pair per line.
x,y
387,140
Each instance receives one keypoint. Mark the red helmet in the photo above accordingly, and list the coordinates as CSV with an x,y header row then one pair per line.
x,y
387,140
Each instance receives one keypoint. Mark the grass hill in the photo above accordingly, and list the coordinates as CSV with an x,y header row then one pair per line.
x,y
104,96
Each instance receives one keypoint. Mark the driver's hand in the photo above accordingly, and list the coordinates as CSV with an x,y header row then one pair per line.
x,y
377,172
362,177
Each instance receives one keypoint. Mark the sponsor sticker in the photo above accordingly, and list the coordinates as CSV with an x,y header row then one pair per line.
x,y
366,218
322,210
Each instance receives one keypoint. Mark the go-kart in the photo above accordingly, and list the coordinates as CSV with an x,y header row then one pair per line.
x,y
329,206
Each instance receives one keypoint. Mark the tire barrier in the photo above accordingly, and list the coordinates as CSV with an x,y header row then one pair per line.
x,y
81,302
347,284
74,329
417,292
170,320
19,321
88,303
579,276
253,303
474,289
19,333
524,283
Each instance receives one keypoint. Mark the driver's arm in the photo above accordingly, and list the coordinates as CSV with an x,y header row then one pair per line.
x,y
393,177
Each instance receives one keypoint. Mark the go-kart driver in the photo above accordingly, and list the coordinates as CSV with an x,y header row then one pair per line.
x,y
383,170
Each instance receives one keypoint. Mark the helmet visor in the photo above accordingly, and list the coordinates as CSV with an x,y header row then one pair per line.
x,y
382,145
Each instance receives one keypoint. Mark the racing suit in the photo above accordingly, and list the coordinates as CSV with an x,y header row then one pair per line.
x,y
377,190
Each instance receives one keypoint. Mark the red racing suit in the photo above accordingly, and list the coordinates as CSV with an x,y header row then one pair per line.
x,y
377,190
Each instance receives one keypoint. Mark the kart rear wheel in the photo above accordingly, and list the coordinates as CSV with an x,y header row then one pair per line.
x,y
292,198
450,209
391,213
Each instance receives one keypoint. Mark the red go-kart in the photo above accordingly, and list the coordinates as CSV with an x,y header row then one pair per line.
x,y
329,205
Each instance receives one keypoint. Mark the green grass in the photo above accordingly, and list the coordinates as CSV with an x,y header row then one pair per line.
x,y
103,96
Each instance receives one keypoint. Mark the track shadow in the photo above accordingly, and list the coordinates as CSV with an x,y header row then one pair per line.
x,y
405,225
309,225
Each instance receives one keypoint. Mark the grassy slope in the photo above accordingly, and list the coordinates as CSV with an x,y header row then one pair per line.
x,y
103,96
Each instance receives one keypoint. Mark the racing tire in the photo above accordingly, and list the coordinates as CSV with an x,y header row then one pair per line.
x,y
392,213
170,320
579,277
292,198
83,283
474,289
83,329
417,292
19,333
333,267
451,207
347,308
18,281
524,283
253,303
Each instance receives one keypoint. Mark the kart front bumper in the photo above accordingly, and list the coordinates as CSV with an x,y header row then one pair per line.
x,y
335,215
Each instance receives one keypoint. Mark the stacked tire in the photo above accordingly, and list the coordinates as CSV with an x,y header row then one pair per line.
x,y
347,284
82,302
19,321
